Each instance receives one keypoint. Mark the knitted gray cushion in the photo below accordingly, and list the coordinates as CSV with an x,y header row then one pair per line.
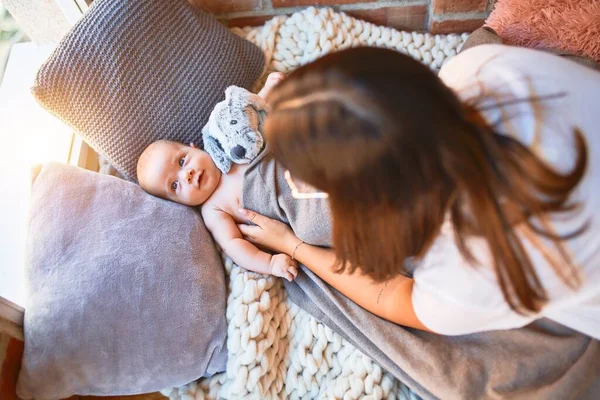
x,y
126,291
132,72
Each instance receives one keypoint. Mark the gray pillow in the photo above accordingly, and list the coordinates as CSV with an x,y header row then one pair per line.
x,y
132,72
126,291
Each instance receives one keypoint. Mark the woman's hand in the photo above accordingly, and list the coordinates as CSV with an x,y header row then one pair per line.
x,y
268,233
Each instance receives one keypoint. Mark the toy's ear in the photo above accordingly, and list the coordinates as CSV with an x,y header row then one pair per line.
x,y
215,150
237,94
232,91
257,102
262,114
260,106
245,97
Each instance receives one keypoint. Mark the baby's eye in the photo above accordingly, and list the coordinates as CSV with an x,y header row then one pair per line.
x,y
174,186
181,161
233,122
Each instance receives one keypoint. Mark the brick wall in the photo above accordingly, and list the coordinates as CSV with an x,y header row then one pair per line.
x,y
437,16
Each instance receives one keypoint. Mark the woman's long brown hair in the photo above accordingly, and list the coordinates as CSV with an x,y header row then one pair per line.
x,y
398,152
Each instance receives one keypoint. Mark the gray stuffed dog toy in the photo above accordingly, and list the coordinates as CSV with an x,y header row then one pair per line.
x,y
233,133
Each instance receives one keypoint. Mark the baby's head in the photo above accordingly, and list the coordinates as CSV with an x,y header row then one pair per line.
x,y
176,172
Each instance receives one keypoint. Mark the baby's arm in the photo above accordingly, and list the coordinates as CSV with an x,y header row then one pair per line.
x,y
241,251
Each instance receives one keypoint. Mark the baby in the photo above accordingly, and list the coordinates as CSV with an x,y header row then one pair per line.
x,y
187,175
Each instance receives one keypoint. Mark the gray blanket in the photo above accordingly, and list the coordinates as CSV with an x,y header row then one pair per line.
x,y
543,360
266,191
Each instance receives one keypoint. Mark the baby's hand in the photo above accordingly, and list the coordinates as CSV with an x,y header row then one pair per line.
x,y
273,79
283,266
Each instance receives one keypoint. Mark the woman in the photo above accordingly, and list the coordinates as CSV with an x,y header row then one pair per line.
x,y
481,177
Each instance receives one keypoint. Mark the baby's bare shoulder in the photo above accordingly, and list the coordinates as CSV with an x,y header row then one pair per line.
x,y
217,208
220,223
211,208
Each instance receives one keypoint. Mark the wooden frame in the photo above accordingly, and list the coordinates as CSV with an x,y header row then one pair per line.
x,y
72,9
11,312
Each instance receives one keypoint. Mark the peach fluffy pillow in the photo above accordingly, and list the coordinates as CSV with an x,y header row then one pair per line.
x,y
571,26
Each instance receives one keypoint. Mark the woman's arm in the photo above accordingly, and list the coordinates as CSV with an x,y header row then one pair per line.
x,y
390,300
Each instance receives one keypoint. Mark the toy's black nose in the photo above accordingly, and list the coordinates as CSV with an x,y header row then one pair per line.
x,y
238,152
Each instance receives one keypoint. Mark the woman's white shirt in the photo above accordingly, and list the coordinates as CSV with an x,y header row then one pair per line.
x,y
452,296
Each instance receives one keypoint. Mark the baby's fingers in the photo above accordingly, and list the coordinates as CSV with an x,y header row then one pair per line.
x,y
288,276
293,270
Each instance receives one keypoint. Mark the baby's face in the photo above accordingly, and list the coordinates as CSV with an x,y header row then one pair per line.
x,y
183,174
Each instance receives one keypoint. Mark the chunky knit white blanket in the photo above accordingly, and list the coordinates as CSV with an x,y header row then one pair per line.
x,y
277,350
291,41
